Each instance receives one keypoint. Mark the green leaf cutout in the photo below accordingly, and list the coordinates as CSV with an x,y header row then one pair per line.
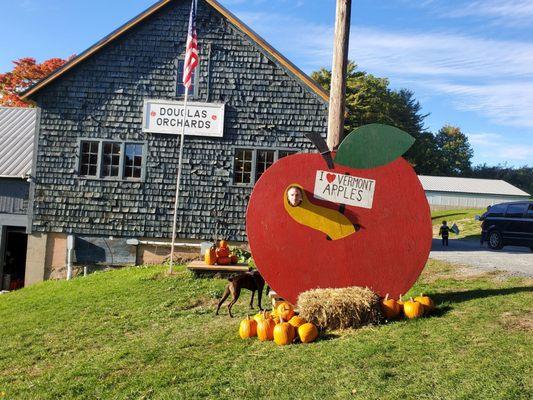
x,y
373,145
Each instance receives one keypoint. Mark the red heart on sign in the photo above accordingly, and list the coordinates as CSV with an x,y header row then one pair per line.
x,y
330,177
153,114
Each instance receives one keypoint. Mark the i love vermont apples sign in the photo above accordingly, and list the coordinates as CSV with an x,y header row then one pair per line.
x,y
363,218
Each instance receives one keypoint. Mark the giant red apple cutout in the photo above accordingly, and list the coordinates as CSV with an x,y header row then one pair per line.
x,y
363,221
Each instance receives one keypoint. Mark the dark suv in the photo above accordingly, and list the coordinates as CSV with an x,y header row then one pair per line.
x,y
508,224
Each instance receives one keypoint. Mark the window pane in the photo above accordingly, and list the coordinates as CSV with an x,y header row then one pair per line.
x,y
133,160
181,89
265,158
516,210
530,211
497,210
110,159
243,166
89,158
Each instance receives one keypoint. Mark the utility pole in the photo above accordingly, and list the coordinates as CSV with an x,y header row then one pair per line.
x,y
337,96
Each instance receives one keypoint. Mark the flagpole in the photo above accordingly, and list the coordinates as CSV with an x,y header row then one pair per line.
x,y
178,180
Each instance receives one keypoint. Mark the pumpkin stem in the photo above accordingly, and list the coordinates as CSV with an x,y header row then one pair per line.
x,y
386,297
400,298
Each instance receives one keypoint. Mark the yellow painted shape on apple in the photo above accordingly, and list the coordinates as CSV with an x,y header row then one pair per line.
x,y
331,222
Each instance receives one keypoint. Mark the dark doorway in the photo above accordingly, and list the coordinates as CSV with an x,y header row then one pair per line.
x,y
14,258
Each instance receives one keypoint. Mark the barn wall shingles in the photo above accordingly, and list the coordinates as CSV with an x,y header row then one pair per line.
x,y
103,97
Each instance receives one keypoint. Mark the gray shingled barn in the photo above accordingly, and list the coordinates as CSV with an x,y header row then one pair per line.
x,y
103,180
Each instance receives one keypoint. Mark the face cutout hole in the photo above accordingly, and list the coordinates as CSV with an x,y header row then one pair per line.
x,y
294,196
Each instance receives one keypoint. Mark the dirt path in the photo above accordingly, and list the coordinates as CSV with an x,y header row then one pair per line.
x,y
515,260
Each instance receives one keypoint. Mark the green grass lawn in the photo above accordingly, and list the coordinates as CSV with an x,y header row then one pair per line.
x,y
136,333
469,228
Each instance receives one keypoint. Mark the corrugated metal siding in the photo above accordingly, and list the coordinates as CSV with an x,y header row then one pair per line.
x,y
17,131
469,185
13,196
466,200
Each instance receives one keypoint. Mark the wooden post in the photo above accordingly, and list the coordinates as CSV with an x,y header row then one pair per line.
x,y
338,74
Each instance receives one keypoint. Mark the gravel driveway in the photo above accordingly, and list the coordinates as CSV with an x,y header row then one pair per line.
x,y
515,260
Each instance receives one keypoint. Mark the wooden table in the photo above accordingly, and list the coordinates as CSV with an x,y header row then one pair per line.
x,y
200,267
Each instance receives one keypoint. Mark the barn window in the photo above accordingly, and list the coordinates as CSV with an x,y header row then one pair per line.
x,y
180,89
250,164
111,160
89,158
133,160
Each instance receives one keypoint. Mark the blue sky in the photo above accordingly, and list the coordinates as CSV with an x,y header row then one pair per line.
x,y
469,63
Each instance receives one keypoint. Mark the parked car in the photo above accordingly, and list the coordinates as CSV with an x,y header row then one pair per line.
x,y
508,224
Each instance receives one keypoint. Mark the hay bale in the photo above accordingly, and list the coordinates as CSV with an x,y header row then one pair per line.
x,y
350,307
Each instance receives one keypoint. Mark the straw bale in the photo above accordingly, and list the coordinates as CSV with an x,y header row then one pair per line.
x,y
341,308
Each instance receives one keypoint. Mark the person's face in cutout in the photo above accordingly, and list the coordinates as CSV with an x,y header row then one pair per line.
x,y
294,196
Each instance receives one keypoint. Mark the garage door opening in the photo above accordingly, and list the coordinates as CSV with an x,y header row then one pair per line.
x,y
14,270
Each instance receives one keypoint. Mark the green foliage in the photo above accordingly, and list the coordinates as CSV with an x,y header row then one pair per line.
x,y
370,100
242,254
454,152
136,333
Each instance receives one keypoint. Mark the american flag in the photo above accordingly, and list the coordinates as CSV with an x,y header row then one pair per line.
x,y
191,53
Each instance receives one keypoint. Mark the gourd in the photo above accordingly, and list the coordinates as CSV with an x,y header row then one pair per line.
x,y
285,310
247,328
223,244
283,333
426,302
413,309
307,332
210,257
389,308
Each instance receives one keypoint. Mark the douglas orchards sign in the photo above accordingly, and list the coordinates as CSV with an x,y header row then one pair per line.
x,y
203,119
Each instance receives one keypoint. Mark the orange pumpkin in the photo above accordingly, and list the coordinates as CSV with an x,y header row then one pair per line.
x,y
223,260
262,316
223,244
297,321
222,252
389,308
307,332
265,329
285,310
248,328
426,302
283,333
413,309
210,256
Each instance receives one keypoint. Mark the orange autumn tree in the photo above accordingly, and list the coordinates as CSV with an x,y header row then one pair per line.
x,y
25,73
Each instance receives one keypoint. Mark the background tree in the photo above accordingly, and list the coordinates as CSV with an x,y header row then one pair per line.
x,y
454,152
370,100
25,73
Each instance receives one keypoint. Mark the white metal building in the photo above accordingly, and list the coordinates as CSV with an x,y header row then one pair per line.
x,y
445,192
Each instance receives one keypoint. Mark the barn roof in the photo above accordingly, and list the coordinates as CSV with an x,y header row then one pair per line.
x,y
469,185
153,9
17,133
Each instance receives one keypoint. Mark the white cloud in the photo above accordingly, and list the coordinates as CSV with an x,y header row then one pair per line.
x,y
508,12
497,148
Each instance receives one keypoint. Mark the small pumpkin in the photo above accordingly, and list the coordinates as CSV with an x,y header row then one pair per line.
x,y
413,309
222,252
389,308
297,321
307,332
234,259
260,316
210,256
426,302
265,329
283,333
285,310
223,244
223,260
248,328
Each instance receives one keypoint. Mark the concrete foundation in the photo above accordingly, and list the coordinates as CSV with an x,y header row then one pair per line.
x,y
35,259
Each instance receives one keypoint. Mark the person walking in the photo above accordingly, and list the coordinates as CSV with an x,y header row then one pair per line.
x,y
444,232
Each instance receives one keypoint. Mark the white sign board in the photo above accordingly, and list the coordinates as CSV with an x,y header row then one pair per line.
x,y
344,189
203,119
